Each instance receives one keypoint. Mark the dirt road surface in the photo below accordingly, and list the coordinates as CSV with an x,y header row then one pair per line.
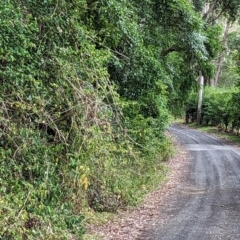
x,y
206,205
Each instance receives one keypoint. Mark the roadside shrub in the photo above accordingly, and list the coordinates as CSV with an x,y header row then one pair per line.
x,y
220,107
68,140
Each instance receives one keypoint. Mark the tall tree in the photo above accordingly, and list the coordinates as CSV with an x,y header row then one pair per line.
x,y
215,12
221,54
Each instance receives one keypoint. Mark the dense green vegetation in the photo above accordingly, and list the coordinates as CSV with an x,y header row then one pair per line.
x,y
87,90
220,108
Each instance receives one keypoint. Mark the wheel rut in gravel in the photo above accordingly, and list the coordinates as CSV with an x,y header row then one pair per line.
x,y
207,204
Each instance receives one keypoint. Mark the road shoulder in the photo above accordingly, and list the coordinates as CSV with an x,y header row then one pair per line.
x,y
137,222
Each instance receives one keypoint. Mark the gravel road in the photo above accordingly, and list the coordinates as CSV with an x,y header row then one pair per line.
x,y
207,204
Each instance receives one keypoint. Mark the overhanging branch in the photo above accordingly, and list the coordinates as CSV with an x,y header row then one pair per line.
x,y
174,48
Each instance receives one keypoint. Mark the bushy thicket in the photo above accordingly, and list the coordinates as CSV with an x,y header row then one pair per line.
x,y
220,107
68,139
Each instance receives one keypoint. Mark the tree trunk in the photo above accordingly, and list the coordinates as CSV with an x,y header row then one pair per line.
x,y
221,54
200,93
212,82
209,9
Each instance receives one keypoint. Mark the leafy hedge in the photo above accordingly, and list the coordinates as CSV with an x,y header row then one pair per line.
x,y
69,141
220,107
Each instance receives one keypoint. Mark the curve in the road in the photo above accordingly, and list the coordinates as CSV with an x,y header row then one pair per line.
x,y
207,205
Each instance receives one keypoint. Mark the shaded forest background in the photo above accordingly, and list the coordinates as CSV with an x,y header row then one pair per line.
x,y
88,89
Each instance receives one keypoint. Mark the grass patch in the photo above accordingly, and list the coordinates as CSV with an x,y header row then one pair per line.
x,y
221,134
